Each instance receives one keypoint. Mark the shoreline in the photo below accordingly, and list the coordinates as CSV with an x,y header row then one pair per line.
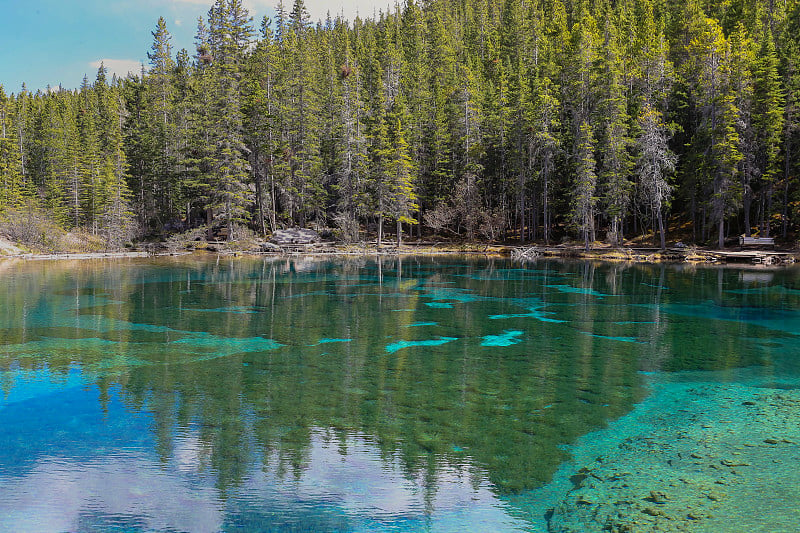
x,y
630,255
601,252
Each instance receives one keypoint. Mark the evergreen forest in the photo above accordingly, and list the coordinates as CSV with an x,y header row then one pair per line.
x,y
517,120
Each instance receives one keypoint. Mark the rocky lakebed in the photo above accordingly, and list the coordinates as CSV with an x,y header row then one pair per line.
x,y
705,452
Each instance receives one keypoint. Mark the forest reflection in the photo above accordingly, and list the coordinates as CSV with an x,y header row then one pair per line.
x,y
442,365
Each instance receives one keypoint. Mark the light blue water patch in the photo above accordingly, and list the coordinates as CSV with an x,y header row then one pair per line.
x,y
507,338
99,323
62,303
776,290
234,310
439,305
331,341
52,345
87,302
569,289
379,294
448,293
533,312
119,361
307,277
786,320
608,337
403,310
514,274
223,346
26,384
422,324
306,294
655,286
391,348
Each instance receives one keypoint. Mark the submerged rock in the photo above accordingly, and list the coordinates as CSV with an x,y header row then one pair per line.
x,y
692,452
657,496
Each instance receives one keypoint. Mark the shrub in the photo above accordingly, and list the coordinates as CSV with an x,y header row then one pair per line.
x,y
32,228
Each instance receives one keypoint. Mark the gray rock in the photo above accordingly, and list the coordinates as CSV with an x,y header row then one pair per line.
x,y
268,247
296,236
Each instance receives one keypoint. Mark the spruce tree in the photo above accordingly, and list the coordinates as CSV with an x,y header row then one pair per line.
x,y
615,167
229,37
768,116
11,179
585,186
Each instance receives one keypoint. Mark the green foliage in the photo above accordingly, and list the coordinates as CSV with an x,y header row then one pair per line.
x,y
550,118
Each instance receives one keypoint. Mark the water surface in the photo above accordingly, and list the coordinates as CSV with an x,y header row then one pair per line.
x,y
200,394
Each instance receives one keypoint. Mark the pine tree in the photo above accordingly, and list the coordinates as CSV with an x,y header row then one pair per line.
x,y
352,160
579,81
161,123
260,125
547,105
790,62
768,115
229,37
709,68
585,199
12,191
615,167
654,164
487,115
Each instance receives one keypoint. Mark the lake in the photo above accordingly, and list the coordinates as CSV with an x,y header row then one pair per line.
x,y
393,394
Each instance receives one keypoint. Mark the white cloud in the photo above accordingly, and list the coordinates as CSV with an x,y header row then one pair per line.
x,y
178,22
120,67
318,9
352,477
362,8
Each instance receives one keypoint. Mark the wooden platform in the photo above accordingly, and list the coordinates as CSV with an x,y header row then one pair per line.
x,y
763,257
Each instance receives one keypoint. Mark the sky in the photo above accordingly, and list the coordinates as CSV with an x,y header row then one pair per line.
x,y
52,42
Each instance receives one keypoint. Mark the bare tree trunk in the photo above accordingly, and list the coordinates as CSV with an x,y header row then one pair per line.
x,y
380,230
785,211
546,210
661,231
399,233
768,211
259,195
748,202
273,202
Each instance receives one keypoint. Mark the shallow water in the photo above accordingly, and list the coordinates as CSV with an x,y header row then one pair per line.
x,y
348,395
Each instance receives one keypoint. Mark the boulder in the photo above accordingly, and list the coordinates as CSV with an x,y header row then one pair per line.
x,y
295,236
268,247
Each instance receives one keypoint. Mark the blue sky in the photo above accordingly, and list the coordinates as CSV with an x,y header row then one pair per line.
x,y
52,42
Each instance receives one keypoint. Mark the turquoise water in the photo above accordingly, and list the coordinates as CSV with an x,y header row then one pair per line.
x,y
197,394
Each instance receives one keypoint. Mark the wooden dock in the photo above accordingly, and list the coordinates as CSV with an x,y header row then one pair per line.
x,y
756,257
673,254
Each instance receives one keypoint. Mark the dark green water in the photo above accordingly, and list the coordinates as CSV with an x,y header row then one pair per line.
x,y
349,395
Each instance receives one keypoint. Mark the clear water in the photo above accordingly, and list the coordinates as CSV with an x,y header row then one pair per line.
x,y
200,394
